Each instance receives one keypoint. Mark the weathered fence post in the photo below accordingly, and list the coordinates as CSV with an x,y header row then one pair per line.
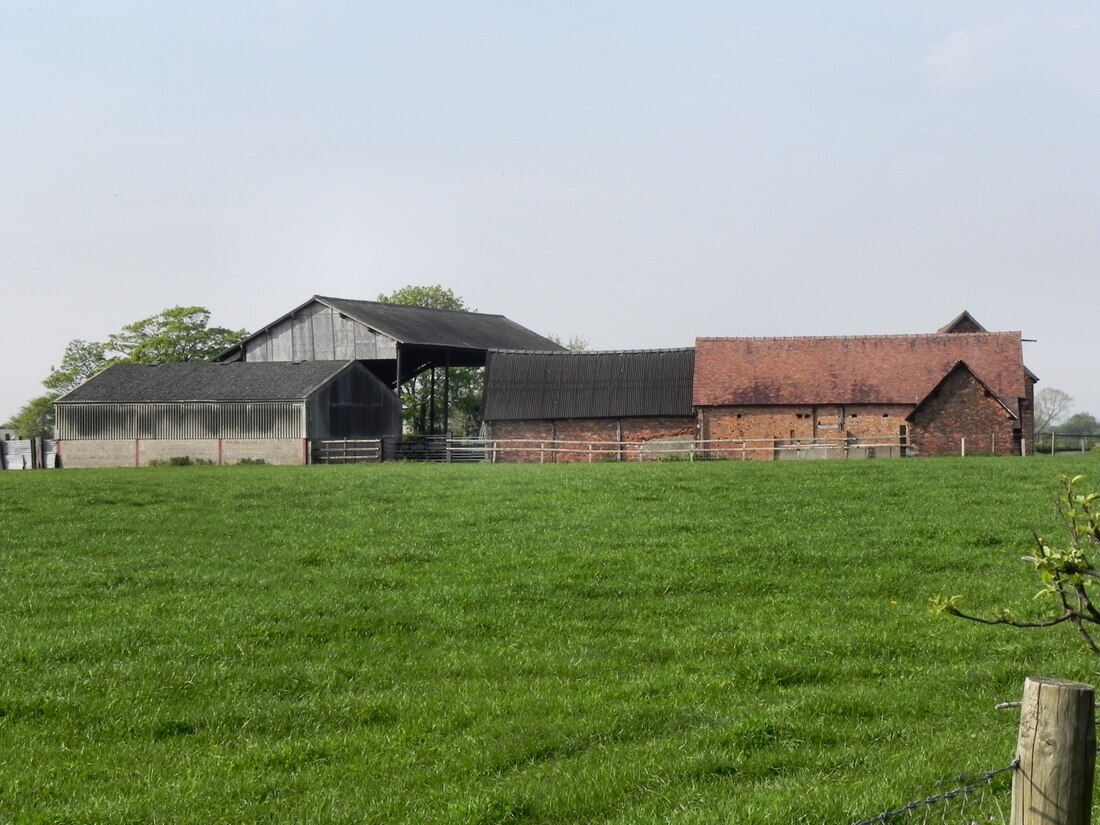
x,y
1057,754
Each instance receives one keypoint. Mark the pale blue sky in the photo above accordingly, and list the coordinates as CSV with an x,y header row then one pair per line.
x,y
637,174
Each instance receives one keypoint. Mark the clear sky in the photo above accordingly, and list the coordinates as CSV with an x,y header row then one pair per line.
x,y
634,173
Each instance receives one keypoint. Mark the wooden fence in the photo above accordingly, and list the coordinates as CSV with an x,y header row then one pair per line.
x,y
451,450
1056,754
347,451
438,449
1053,774
1066,442
547,451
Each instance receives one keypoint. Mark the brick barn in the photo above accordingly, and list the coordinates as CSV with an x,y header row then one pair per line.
x,y
588,406
130,415
960,389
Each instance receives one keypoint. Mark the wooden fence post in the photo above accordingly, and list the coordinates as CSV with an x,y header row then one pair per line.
x,y
1057,753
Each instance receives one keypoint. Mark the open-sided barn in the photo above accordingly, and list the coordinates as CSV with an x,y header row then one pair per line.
x,y
394,341
583,406
134,414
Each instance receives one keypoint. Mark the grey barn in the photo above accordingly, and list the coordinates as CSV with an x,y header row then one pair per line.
x,y
135,414
394,342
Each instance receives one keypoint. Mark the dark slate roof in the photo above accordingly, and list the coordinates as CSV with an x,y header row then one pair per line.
x,y
889,369
553,385
202,381
440,327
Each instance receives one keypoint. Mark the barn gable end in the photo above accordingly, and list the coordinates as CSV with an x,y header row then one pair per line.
x,y
962,412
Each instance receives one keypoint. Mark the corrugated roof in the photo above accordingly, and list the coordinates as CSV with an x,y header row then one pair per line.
x,y
554,385
440,327
896,369
202,381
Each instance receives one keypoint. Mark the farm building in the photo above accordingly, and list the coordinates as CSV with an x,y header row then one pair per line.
x,y
135,414
933,394
567,406
393,341
959,389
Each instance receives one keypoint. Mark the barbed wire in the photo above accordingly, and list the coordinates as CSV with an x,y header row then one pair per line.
x,y
967,786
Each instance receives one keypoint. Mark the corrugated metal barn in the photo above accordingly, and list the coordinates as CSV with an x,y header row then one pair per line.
x,y
134,414
584,406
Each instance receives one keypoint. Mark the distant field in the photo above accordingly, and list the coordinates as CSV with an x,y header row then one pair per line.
x,y
677,642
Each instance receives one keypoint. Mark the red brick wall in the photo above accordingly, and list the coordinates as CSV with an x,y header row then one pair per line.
x,y
762,428
583,440
1027,419
962,408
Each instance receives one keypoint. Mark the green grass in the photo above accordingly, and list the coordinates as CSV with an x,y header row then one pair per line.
x,y
680,642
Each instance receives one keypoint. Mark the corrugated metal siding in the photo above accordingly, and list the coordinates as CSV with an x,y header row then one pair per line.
x,y
273,419
552,385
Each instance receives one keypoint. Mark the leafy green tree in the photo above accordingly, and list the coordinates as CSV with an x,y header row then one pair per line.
x,y
35,419
82,360
1081,423
429,297
1070,582
176,334
422,410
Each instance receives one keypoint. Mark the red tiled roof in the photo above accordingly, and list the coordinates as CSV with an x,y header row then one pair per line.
x,y
894,369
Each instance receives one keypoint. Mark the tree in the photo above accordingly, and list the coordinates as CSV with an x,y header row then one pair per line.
x,y
421,395
175,334
576,343
82,360
429,297
1051,406
1081,423
35,419
1070,581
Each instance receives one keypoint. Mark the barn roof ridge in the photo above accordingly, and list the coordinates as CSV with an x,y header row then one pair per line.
x,y
596,351
884,336
331,299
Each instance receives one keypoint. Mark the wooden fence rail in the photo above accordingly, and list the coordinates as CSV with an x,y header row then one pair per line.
x,y
347,451
551,450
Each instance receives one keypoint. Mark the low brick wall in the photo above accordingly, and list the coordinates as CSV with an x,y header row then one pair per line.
x,y
767,431
588,439
142,452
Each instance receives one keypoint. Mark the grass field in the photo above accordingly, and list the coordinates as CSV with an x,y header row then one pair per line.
x,y
675,642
